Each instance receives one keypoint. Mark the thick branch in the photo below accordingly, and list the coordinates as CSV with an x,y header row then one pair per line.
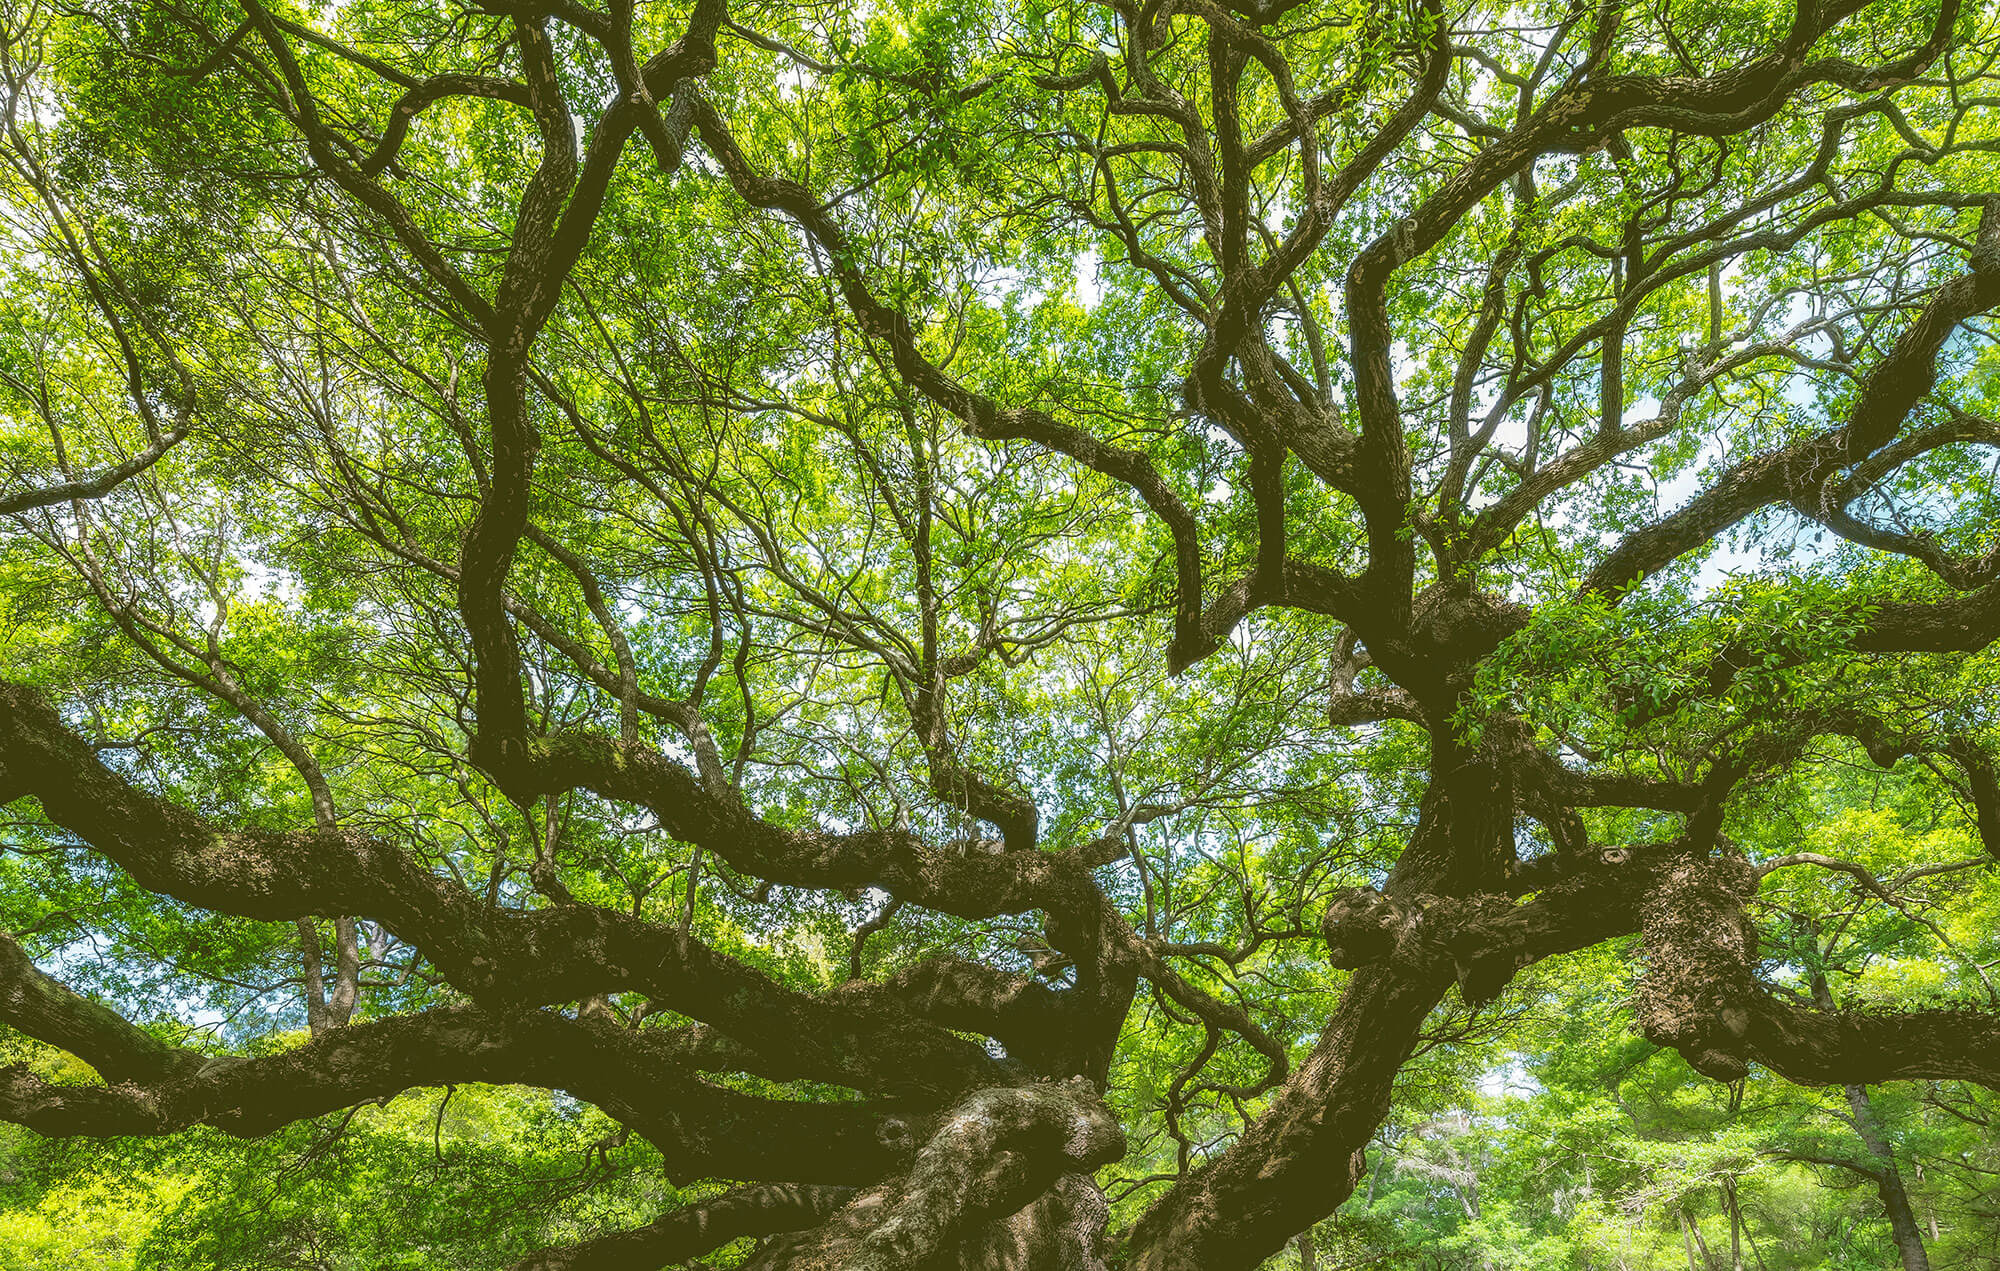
x,y
703,1130
1803,470
696,1229
503,956
45,1009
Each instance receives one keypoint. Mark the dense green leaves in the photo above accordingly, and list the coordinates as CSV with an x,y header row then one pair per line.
x,y
1577,422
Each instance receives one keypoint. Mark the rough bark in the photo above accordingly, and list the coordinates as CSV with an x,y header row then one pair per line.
x,y
972,1154
1903,1227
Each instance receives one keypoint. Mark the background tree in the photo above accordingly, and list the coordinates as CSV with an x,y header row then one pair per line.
x,y
990,634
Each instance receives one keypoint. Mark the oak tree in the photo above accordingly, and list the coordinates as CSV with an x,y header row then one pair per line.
x,y
976,621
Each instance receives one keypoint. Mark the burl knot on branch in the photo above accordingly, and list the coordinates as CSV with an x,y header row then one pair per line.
x,y
998,1150
1361,926
1697,990
1480,941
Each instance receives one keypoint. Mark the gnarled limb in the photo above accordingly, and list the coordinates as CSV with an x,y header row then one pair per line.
x,y
995,1152
45,1009
1803,470
761,1210
498,955
703,1130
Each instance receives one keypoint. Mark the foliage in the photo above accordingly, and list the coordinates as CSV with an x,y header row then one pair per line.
x,y
1369,627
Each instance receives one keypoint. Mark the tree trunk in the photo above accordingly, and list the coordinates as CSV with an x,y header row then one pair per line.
x,y
330,1007
1324,1114
1735,1224
1062,1230
311,962
1888,1180
1235,1211
346,990
1930,1213
1889,1183
1707,1258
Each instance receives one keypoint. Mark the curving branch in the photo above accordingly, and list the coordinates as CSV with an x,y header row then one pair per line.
x,y
418,97
1858,1047
703,1130
993,1153
47,1010
981,415
498,956
96,485
1803,471
697,1228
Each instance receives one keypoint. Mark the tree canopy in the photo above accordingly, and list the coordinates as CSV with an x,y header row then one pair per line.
x,y
1040,635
